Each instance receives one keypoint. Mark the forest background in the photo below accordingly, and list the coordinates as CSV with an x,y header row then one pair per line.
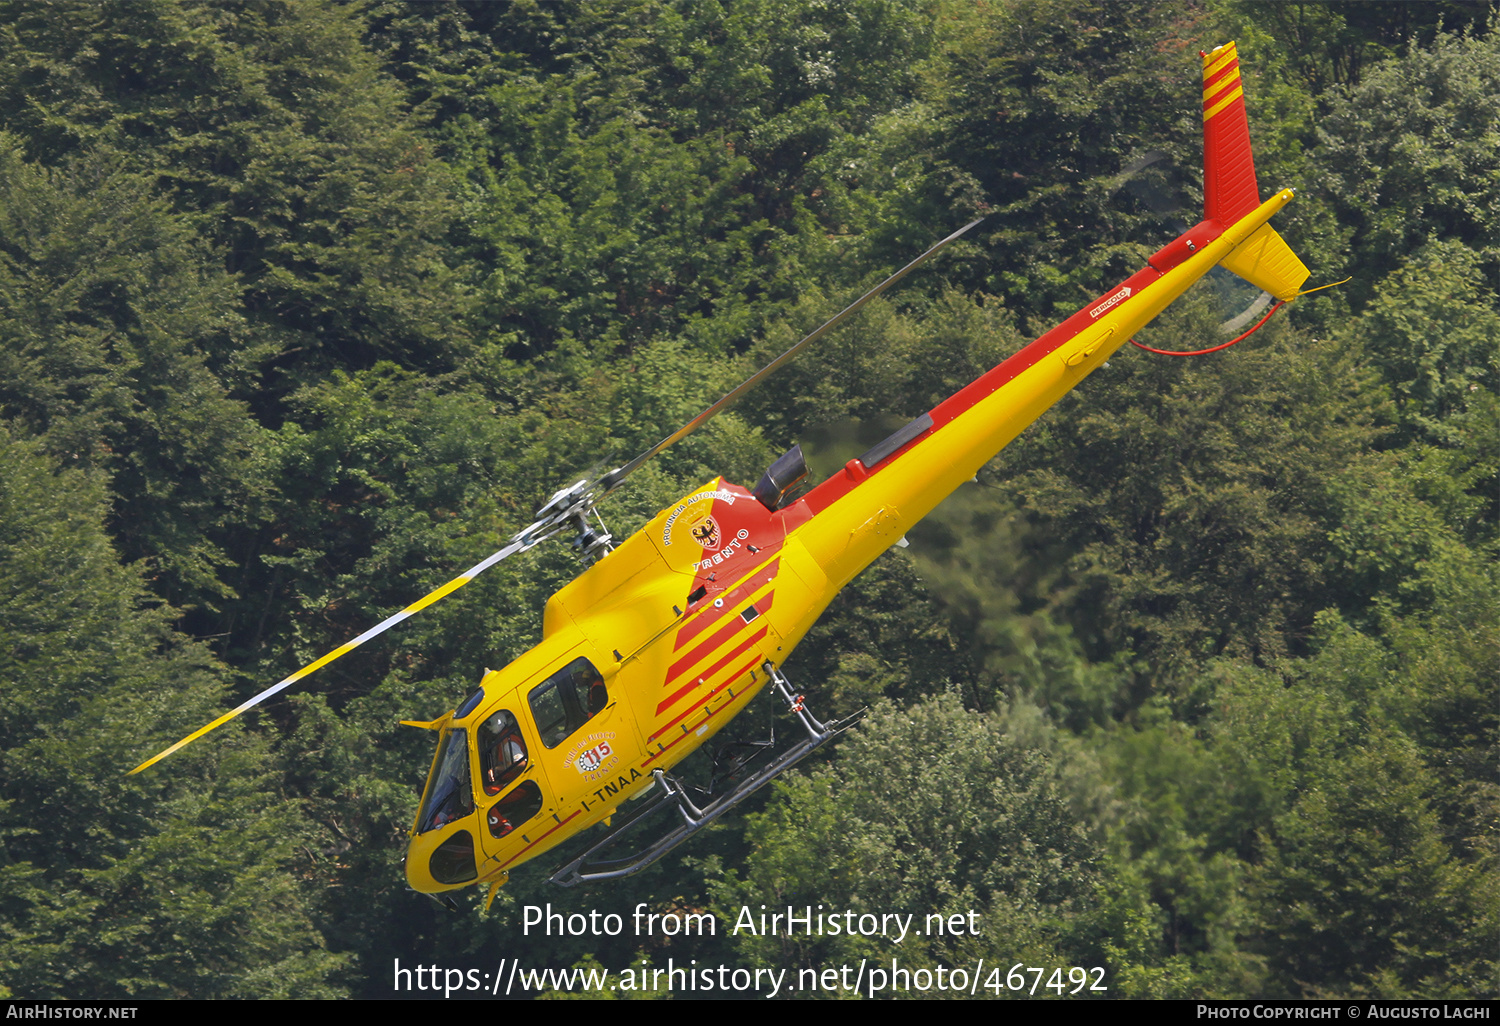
x,y
304,305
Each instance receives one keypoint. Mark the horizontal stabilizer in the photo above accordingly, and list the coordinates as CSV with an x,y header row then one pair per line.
x,y
1266,261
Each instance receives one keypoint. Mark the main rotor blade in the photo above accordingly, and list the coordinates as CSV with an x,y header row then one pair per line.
x,y
524,540
614,477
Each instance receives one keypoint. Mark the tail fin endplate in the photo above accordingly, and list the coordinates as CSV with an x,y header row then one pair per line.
x,y
1229,186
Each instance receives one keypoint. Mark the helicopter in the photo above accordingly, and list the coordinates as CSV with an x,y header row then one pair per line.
x,y
666,637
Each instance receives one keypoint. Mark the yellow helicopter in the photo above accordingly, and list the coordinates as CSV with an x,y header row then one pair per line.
x,y
665,638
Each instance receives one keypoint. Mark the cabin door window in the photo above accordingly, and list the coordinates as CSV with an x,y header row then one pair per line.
x,y
567,700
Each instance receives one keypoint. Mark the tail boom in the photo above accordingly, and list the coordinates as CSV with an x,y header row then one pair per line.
x,y
970,427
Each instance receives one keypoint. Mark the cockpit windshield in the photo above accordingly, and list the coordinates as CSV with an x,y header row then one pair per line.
x,y
449,795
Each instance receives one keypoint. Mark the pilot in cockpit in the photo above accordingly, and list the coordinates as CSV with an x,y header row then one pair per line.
x,y
502,751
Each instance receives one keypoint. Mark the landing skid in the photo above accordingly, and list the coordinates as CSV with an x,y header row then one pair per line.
x,y
670,793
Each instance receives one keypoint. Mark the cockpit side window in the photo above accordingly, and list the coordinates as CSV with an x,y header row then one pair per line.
x,y
567,700
502,751
449,795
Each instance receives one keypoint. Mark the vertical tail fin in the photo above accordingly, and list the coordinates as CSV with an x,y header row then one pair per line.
x,y
1229,187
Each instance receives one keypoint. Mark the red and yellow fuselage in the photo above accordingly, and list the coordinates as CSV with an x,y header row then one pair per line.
x,y
681,620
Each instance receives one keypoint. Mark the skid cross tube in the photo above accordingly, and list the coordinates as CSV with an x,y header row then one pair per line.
x,y
587,868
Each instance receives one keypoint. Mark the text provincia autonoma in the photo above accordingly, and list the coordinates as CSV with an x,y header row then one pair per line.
x,y
787,921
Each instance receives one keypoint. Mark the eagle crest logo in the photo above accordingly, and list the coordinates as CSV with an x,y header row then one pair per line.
x,y
706,533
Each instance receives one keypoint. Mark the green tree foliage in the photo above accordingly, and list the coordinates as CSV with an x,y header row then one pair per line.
x,y
647,167
1408,157
1314,837
1430,328
273,122
594,229
119,342
925,809
1071,124
158,887
1362,897
1333,44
